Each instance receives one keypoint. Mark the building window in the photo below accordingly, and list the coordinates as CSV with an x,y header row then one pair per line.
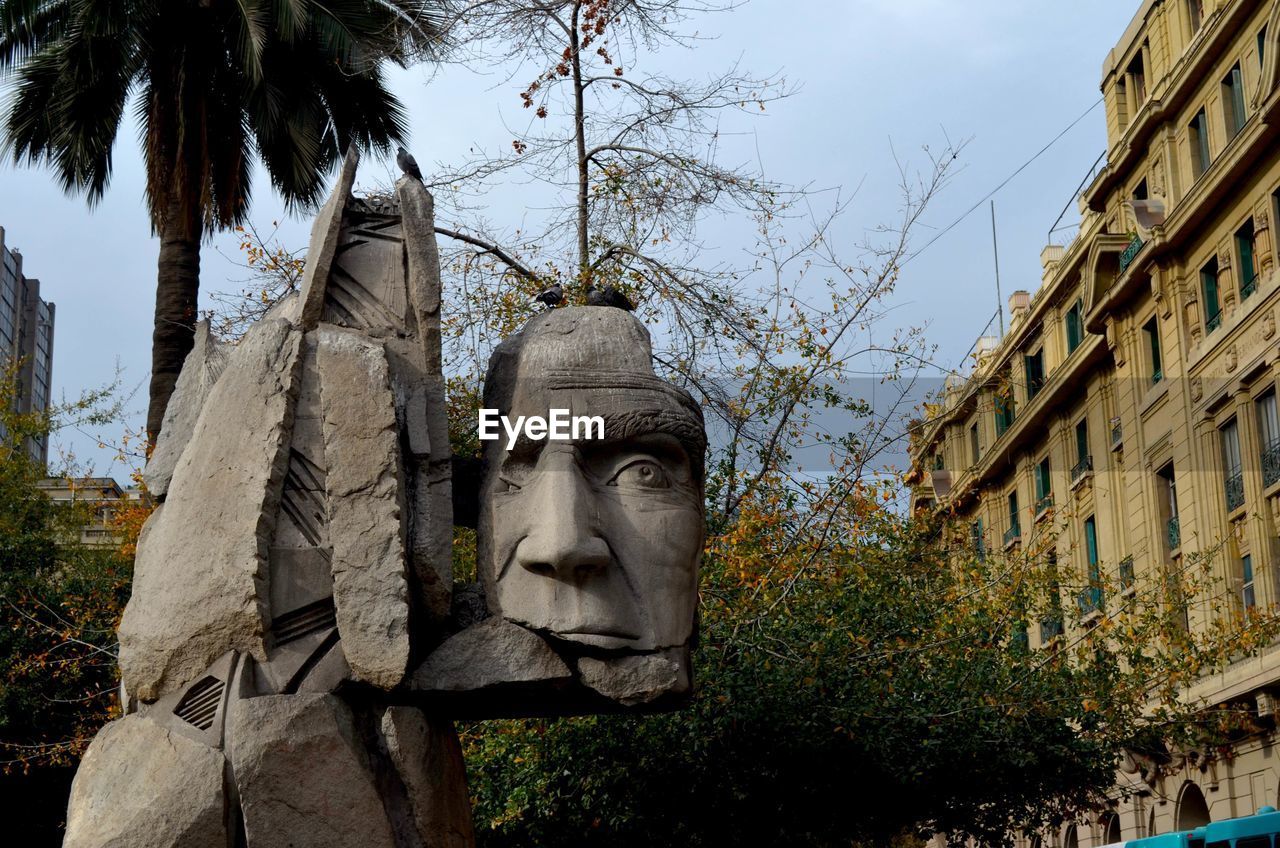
x,y
1198,133
1169,506
1269,434
1233,102
1084,461
1151,331
1091,598
1005,409
1044,487
1262,48
1075,326
1209,291
1035,373
979,540
1136,76
1244,255
1231,467
974,451
1015,526
1195,14
1247,596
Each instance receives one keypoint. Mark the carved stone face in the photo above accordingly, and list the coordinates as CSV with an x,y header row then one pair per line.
x,y
593,541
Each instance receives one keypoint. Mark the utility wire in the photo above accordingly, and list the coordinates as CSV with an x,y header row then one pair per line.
x,y
1007,180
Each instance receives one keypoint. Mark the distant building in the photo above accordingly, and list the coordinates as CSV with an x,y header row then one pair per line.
x,y
26,336
105,497
1126,424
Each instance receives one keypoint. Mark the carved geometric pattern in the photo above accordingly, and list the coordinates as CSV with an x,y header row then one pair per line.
x,y
360,292
199,706
356,304
312,618
303,497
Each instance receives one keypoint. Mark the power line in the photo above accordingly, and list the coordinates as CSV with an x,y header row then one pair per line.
x,y
1006,181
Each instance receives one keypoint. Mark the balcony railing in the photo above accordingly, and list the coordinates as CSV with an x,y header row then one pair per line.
x,y
1271,464
1044,504
1173,530
1130,253
1214,322
1081,468
1013,534
1117,434
1089,600
1249,287
1126,573
1050,628
1234,490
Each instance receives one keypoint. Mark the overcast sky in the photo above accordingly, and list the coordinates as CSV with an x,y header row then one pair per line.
x,y
875,75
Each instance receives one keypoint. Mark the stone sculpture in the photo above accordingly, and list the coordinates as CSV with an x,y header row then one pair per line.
x,y
295,648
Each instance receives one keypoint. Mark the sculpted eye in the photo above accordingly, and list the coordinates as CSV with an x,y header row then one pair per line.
x,y
642,474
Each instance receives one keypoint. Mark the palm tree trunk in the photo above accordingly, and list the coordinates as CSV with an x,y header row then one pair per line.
x,y
177,292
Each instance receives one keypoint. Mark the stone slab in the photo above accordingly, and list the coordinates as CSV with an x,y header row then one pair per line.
x,y
492,653
365,494
140,786
428,758
200,370
304,776
636,679
199,577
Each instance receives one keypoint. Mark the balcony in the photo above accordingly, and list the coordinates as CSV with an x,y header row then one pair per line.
x,y
1126,574
1271,464
1081,469
1089,600
1130,253
1249,287
1173,532
1050,629
1043,505
1012,535
1117,434
1213,322
1234,490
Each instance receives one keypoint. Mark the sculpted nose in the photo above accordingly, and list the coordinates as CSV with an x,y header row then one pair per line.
x,y
564,543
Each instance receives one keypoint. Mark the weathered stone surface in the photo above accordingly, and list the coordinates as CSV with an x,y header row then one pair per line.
x,y
200,370
491,653
365,493
427,756
199,577
609,566
325,235
421,410
304,776
418,223
636,679
140,786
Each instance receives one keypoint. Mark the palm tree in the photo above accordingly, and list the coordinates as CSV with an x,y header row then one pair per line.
x,y
215,82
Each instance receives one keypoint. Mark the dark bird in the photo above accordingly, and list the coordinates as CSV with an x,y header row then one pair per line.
x,y
609,296
552,296
408,164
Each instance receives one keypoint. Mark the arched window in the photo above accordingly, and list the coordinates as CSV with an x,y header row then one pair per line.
x,y
1110,829
1151,823
1193,811
1069,837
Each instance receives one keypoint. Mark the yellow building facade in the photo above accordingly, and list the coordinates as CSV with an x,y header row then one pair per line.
x,y
1126,424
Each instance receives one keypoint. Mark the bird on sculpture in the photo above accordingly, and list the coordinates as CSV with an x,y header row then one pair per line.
x,y
609,296
552,296
408,164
